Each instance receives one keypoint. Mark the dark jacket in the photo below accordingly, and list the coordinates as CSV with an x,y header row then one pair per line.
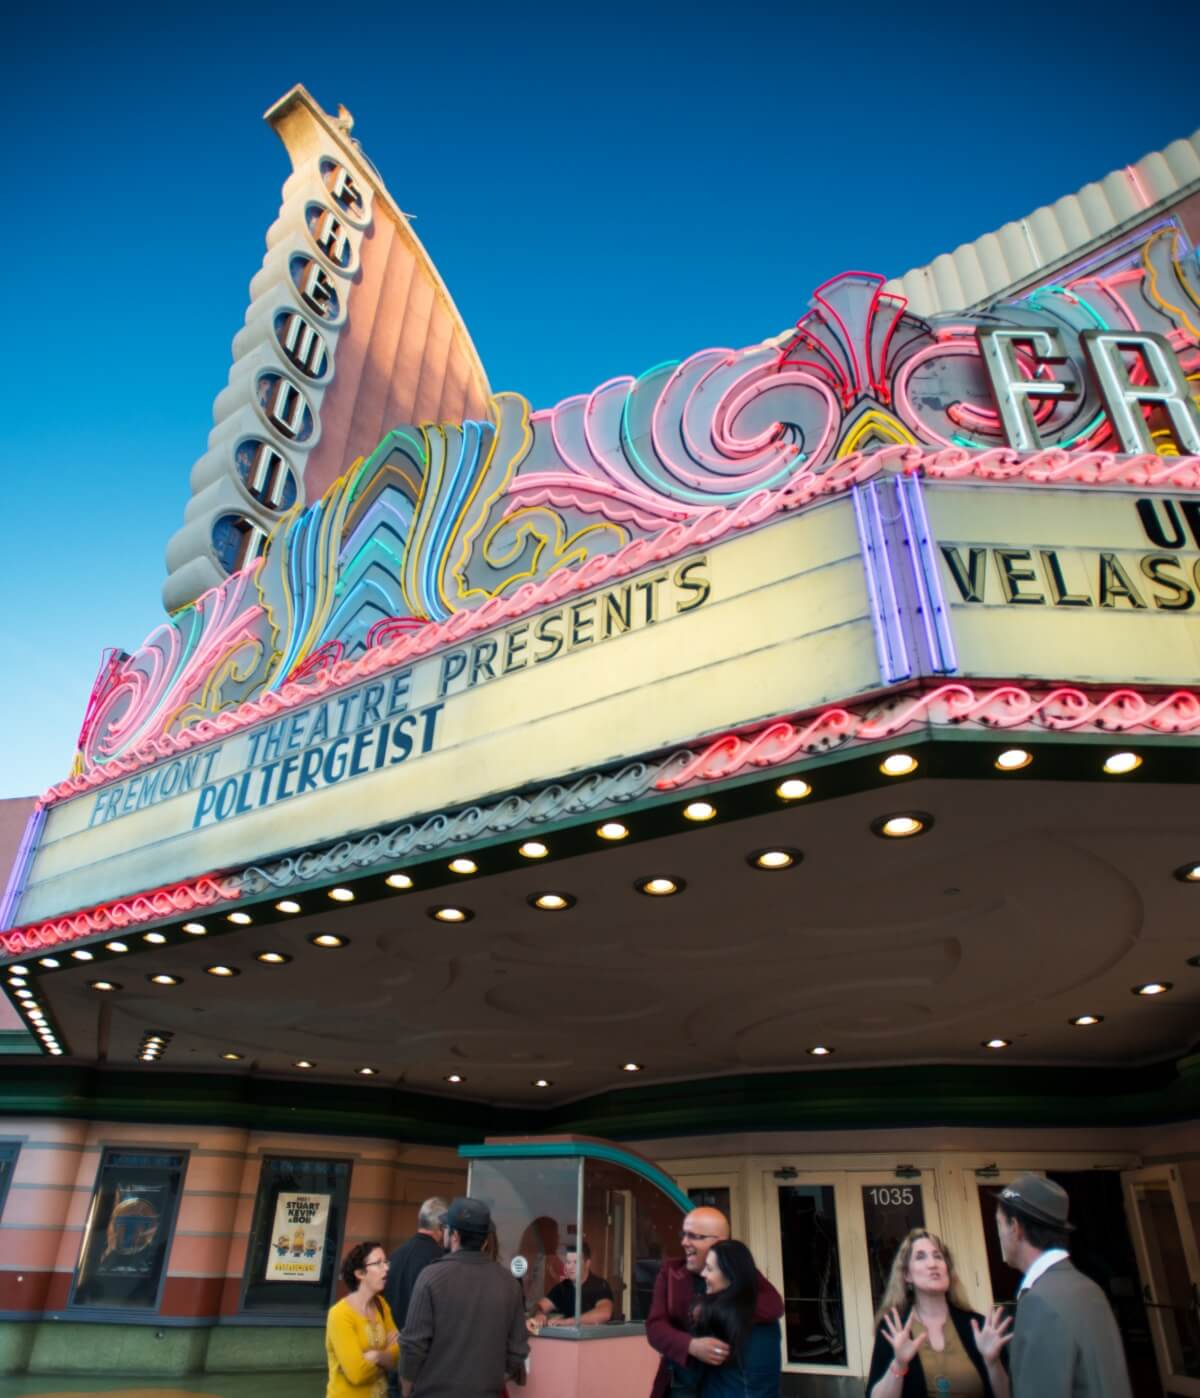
x,y
914,1381
1065,1340
755,1373
404,1267
668,1326
465,1332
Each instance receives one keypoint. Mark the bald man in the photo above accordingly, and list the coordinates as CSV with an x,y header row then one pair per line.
x,y
676,1291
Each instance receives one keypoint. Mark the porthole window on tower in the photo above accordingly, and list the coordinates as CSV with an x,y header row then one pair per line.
x,y
236,542
266,474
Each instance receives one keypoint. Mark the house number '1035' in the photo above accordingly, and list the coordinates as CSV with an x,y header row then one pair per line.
x,y
891,1196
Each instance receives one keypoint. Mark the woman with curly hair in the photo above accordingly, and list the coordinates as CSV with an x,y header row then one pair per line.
x,y
929,1340
361,1342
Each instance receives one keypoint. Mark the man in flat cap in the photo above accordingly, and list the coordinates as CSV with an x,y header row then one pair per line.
x,y
1065,1341
465,1331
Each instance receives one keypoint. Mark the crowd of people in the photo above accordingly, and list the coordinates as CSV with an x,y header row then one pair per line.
x,y
459,1329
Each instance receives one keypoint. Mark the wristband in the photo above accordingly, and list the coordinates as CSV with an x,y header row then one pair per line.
x,y
897,1370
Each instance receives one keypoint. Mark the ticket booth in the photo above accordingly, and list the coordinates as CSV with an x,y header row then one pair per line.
x,y
559,1194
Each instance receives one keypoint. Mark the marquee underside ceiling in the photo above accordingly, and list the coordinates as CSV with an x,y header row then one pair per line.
x,y
1028,902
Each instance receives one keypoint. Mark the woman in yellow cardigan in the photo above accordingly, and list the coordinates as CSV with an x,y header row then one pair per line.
x,y
361,1343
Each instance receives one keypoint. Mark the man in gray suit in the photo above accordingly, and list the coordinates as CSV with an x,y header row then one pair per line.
x,y
1065,1341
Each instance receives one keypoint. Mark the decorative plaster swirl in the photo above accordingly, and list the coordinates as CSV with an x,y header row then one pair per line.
x,y
1061,709
595,791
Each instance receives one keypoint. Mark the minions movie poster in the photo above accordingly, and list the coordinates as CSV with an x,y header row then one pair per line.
x,y
297,1247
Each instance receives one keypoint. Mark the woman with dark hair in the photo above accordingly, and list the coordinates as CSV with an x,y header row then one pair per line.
x,y
929,1340
361,1343
726,1311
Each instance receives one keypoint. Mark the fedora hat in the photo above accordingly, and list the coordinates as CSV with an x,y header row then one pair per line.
x,y
1037,1198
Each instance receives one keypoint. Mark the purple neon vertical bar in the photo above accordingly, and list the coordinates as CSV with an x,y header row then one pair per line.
x,y
890,592
867,547
16,878
933,580
917,572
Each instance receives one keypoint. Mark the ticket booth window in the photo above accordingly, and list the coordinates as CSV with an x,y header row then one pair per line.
x,y
590,1204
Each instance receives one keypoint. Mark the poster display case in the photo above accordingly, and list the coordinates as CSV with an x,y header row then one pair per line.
x,y
129,1228
296,1236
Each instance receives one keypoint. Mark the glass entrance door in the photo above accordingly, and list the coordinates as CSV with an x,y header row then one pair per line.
x,y
891,1207
1165,1242
807,1239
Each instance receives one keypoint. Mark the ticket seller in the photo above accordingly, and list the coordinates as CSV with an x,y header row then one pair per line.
x,y
557,1307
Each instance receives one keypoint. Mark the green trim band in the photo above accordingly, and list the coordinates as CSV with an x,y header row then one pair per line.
x,y
587,1150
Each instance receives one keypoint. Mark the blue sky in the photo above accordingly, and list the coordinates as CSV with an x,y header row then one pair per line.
x,y
602,188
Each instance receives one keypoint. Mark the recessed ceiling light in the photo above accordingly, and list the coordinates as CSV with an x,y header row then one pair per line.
x,y
451,914
820,1051
327,940
162,978
898,764
367,1072
272,958
49,962
997,1043
104,985
287,905
154,938
631,1067
773,858
699,810
196,929
1118,763
57,1052
900,827
793,790
241,919
156,1038
342,895
118,947
1082,1021
23,994
1152,988
83,956
222,971
17,971
1188,873
552,902
33,1012
463,865
533,849
233,1057
541,1082
398,881
304,1063
455,1077
612,830
659,887
1013,759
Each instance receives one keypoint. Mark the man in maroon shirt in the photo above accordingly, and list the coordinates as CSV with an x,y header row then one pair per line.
x,y
676,1290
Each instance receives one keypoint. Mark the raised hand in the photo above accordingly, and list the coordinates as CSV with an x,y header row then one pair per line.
x,y
993,1335
900,1337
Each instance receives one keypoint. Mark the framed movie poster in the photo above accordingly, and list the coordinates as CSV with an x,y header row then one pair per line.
x,y
296,1236
123,1257
9,1150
